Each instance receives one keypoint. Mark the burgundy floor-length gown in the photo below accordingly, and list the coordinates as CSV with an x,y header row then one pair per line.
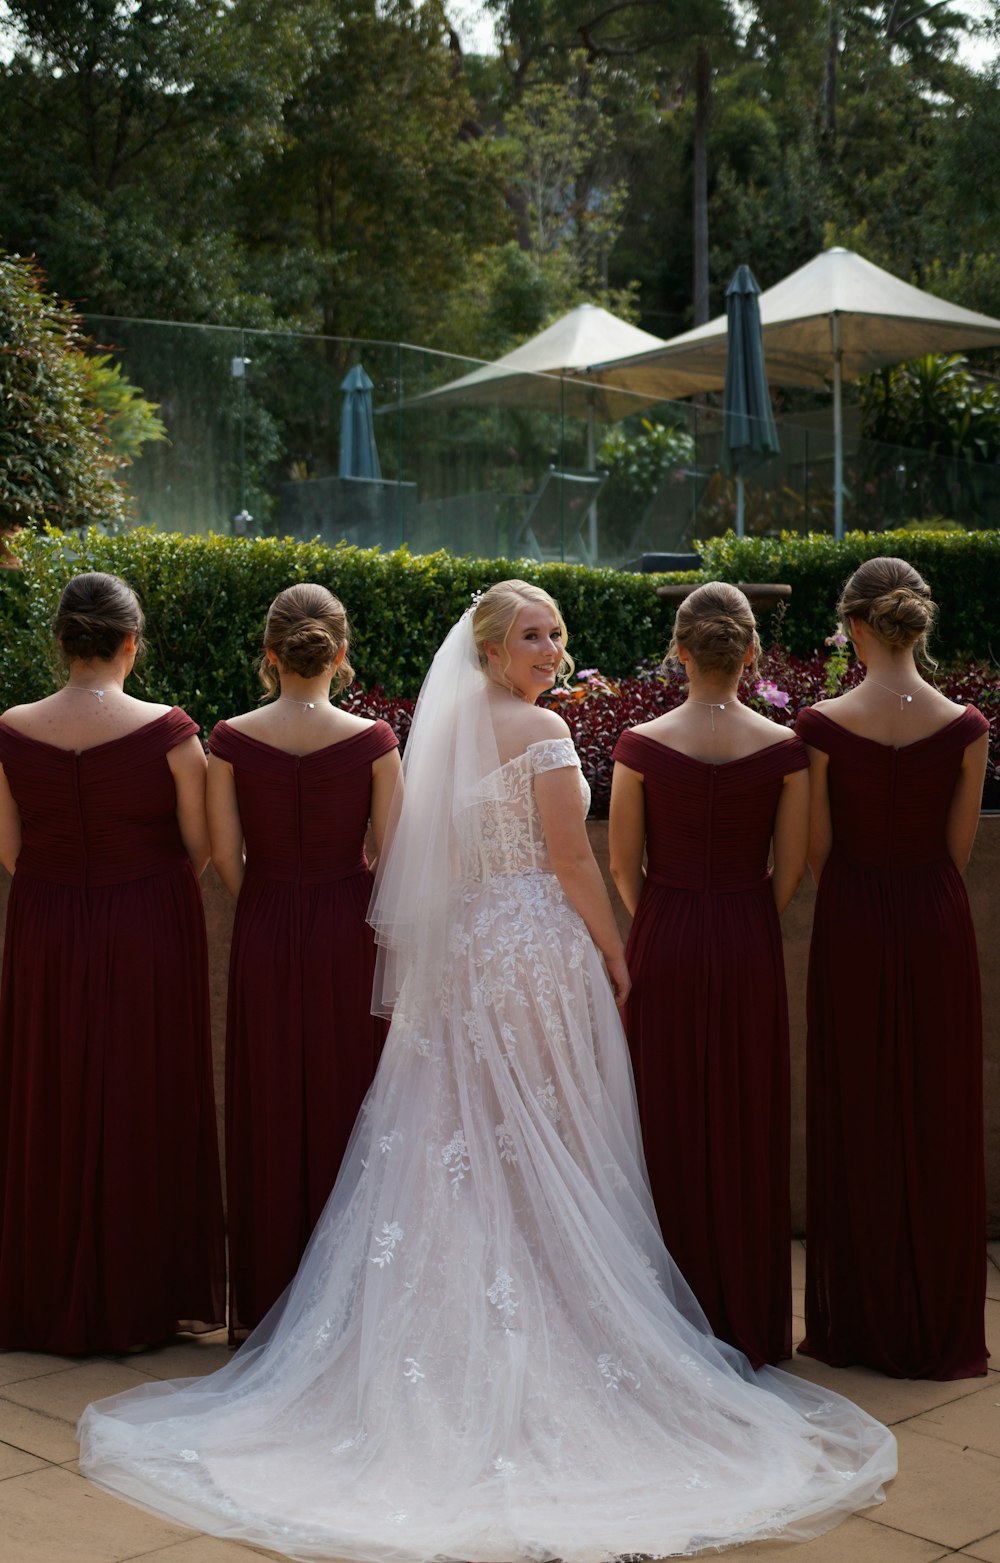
x,y
707,1024
895,1226
301,1042
111,1228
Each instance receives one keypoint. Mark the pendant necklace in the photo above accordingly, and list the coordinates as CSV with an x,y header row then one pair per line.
x,y
310,705
84,689
713,706
903,699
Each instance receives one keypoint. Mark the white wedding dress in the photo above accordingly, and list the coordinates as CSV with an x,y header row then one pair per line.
x,y
487,1353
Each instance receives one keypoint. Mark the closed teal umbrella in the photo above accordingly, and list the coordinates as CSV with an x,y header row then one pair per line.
x,y
748,431
358,451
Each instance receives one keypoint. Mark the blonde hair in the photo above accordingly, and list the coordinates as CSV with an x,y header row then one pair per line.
x,y
306,629
716,625
893,600
494,615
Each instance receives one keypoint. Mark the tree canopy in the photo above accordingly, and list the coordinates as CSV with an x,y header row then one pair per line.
x,y
341,166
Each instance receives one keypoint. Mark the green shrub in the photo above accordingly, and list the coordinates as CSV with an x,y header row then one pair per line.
x,y
205,599
961,568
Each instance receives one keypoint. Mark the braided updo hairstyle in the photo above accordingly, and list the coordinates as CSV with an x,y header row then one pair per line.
x,y
306,629
95,614
716,625
893,600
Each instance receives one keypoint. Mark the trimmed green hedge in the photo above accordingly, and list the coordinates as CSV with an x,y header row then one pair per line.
x,y
961,568
205,600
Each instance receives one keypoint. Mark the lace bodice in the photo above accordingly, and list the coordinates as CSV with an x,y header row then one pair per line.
x,y
506,835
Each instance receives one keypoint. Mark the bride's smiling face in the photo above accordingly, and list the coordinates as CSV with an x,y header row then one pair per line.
x,y
533,653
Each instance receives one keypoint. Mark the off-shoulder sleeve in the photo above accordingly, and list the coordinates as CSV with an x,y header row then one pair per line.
x,y
382,739
791,755
629,751
222,742
179,726
811,728
552,754
976,724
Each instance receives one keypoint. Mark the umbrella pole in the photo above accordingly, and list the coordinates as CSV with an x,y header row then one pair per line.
x,y
838,428
740,525
591,466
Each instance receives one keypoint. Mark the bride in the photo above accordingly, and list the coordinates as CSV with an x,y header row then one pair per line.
x,y
487,1352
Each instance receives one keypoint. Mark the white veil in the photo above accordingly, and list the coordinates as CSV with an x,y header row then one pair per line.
x,y
450,752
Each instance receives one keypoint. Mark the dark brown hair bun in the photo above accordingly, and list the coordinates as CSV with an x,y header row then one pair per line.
x,y
95,614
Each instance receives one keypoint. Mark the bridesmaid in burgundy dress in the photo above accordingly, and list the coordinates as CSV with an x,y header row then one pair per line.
x,y
896,1230
111,1229
291,790
706,791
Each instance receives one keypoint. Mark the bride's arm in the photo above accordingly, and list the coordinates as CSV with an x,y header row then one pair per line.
x,y
557,795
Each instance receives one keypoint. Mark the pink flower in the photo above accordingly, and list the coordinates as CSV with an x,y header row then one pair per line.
x,y
839,639
770,693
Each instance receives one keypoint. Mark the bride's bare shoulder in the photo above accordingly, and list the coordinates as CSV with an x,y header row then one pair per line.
x,y
541,722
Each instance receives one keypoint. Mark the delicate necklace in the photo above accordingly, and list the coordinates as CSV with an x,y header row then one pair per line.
x,y
85,689
903,699
714,705
310,705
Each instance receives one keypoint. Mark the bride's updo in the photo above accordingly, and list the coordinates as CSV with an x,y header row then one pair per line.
x,y
306,629
893,600
716,625
497,609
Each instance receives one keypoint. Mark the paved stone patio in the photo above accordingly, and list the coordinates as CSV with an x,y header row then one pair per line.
x,y
945,1502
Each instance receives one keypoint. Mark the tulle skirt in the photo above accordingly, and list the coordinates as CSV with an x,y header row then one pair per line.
x,y
487,1353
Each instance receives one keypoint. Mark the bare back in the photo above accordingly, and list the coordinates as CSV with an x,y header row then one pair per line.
x,y
299,729
876,712
714,734
75,719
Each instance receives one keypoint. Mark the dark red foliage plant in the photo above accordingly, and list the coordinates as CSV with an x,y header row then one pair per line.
x,y
599,709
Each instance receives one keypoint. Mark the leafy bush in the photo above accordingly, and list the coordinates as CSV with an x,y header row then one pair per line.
x,y
205,601
56,460
961,568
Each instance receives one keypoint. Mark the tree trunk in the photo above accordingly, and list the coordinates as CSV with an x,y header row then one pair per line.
x,y
832,62
702,114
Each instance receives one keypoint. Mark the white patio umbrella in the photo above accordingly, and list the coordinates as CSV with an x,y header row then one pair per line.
x,y
837,318
551,371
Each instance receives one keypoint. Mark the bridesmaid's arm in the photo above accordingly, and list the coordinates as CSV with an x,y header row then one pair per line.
x,y
385,775
820,826
224,825
791,838
187,763
966,802
627,833
557,794
10,826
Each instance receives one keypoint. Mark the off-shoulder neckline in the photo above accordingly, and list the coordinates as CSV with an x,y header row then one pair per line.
x,y
109,743
310,754
714,765
892,748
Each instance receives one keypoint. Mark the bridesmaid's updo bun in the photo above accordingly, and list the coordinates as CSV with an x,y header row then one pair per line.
x,y
306,629
496,610
716,625
893,600
95,614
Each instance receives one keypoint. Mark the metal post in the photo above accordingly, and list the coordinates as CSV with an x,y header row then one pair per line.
x,y
399,444
591,467
838,428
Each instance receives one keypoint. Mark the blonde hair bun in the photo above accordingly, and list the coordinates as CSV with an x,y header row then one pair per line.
x,y
893,600
715,623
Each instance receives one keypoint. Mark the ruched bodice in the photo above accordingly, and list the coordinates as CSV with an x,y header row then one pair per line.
x,y
708,827
101,817
889,807
511,830
293,828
